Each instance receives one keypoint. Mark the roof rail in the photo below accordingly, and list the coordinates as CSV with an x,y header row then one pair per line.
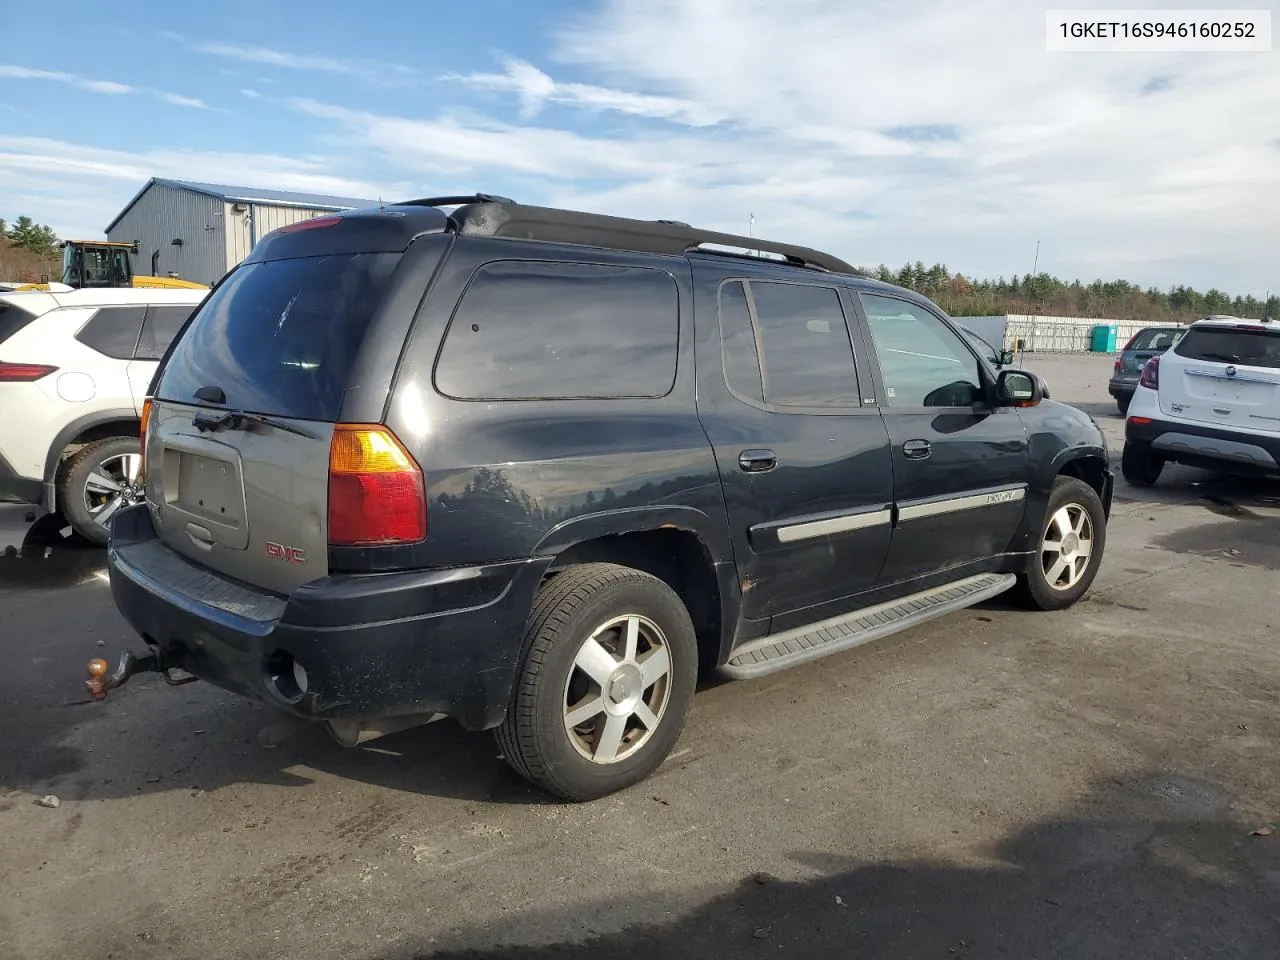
x,y
484,215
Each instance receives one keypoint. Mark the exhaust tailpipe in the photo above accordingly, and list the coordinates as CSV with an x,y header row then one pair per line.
x,y
351,732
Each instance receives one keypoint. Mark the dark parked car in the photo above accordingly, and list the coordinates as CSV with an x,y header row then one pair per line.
x,y
1142,346
530,469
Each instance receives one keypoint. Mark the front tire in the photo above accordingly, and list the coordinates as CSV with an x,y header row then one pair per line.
x,y
610,665
1069,552
1139,464
96,483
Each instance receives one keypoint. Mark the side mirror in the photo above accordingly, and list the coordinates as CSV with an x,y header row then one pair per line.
x,y
1005,358
1019,388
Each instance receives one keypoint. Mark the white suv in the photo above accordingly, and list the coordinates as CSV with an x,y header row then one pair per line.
x,y
1212,400
74,370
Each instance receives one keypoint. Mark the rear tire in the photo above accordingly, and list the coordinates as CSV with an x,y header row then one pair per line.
x,y
1139,464
1069,550
583,660
85,493
1123,404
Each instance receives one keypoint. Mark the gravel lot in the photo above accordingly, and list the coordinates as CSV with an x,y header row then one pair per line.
x,y
999,783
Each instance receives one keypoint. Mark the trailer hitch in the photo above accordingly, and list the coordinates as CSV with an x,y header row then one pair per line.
x,y
100,682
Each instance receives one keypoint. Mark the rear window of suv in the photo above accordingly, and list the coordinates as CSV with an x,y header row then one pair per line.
x,y
1247,347
12,319
280,337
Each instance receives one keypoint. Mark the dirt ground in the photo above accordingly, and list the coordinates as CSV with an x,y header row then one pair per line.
x,y
997,784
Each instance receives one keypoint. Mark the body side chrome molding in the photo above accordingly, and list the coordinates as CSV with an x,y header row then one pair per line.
x,y
994,497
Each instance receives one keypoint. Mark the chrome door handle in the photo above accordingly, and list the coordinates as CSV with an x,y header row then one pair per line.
x,y
757,461
917,449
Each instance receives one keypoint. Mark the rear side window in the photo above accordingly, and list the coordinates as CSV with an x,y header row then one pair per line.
x,y
738,341
280,337
545,330
1249,348
113,331
12,319
1155,339
807,356
161,326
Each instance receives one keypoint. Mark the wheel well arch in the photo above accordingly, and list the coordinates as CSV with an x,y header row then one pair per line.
x,y
1090,469
675,556
115,423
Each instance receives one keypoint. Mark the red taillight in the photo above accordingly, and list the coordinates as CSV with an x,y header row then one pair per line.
x,y
1150,374
377,494
142,438
1119,363
24,372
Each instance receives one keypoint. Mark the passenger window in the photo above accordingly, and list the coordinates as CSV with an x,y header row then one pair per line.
x,y
113,331
923,362
738,340
543,330
163,324
807,354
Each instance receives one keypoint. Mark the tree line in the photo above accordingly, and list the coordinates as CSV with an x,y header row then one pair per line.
x,y
1047,295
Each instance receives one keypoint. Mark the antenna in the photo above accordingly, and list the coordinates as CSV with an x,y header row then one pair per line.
x,y
1035,264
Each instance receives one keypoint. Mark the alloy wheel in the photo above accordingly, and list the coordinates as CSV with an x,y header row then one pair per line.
x,y
1066,546
618,688
112,485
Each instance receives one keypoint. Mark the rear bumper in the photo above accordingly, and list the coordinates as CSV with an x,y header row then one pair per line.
x,y
15,487
374,645
1121,387
1197,445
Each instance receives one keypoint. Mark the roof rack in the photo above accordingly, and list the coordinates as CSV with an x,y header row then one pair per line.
x,y
484,215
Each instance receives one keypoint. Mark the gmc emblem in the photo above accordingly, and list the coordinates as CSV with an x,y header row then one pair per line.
x,y
281,552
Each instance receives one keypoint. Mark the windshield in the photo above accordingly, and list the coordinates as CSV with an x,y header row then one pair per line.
x,y
280,337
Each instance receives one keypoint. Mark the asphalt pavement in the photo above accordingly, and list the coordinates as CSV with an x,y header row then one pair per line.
x,y
1082,784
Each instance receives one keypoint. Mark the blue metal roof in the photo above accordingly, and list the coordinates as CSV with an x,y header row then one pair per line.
x,y
230,194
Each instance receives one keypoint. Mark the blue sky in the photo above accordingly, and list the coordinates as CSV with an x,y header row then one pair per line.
x,y
881,131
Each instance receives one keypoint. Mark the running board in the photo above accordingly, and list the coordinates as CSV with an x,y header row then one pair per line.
x,y
780,651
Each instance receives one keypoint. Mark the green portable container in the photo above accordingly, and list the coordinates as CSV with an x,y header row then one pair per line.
x,y
1104,338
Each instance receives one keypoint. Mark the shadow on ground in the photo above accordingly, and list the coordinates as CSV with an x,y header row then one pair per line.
x,y
50,558
1152,866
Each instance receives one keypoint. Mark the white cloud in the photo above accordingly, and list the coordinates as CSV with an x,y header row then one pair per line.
x,y
1054,146
107,87
370,70
78,189
534,88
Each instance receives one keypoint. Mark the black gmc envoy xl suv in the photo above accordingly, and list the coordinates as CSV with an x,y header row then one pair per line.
x,y
535,469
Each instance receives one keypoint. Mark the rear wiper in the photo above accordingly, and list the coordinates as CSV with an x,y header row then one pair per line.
x,y
1219,356
239,420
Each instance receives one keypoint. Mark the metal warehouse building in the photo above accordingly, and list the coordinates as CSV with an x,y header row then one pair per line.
x,y
199,231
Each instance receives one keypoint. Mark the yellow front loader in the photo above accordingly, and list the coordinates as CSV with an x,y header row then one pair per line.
x,y
105,263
